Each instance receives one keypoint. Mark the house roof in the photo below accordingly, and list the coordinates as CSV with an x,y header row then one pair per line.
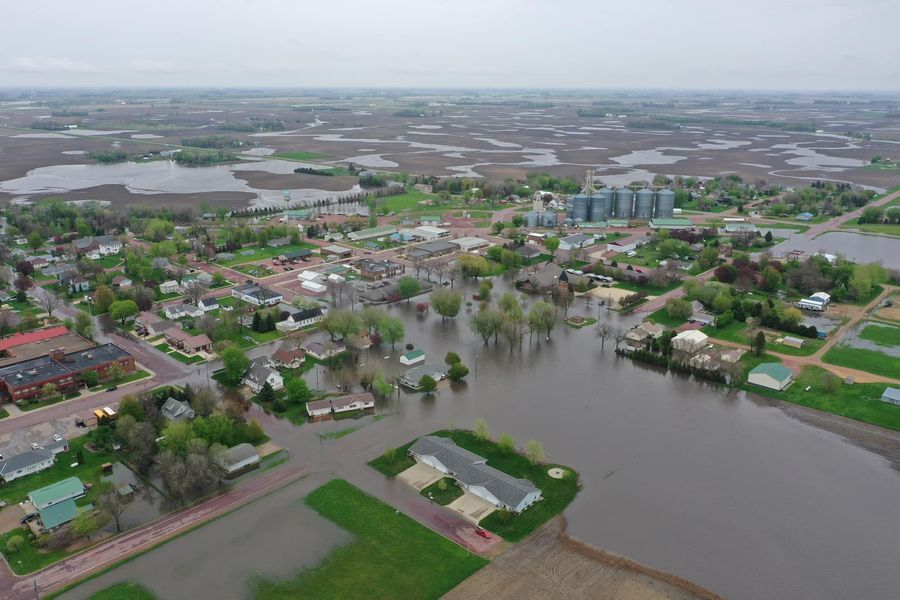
x,y
307,313
25,459
471,469
57,514
174,410
777,371
258,372
340,401
69,487
257,291
292,254
891,394
40,335
43,368
210,301
238,453
286,356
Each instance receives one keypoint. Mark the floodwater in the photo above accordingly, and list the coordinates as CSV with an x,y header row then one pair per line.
x,y
721,488
851,338
855,246
160,177
274,537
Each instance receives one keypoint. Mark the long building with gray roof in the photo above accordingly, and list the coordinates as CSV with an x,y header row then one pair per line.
x,y
474,475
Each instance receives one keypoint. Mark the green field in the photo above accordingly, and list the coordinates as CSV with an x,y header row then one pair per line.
x,y
860,401
408,200
661,317
876,228
29,558
300,155
881,335
124,591
392,556
264,253
870,361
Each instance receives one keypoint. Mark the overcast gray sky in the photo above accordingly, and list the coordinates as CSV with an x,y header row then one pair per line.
x,y
691,44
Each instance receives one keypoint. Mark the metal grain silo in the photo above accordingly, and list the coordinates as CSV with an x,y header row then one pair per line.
x,y
608,194
549,219
624,203
665,204
532,219
581,207
598,208
643,204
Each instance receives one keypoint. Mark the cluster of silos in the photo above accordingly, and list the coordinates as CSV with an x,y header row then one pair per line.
x,y
540,219
623,203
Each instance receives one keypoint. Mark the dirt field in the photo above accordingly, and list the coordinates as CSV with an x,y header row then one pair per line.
x,y
550,565
496,138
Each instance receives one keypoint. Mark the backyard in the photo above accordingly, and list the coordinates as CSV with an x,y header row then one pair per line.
x,y
392,555
261,253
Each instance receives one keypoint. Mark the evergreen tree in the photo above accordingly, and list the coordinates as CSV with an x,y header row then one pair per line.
x,y
256,320
270,322
266,393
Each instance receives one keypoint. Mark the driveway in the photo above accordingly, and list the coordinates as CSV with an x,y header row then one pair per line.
x,y
420,476
472,507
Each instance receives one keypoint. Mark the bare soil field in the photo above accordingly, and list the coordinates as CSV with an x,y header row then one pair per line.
x,y
551,565
785,140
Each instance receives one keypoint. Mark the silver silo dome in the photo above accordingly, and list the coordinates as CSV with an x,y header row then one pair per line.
x,y
582,202
598,208
532,219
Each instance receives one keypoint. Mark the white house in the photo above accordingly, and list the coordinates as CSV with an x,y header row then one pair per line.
x,y
208,304
618,247
256,294
169,287
20,465
429,232
690,341
259,374
773,376
340,404
179,311
301,318
575,241
313,286
474,475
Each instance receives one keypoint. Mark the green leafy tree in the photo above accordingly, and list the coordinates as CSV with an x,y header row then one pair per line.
x,y
506,443
90,378
427,384
452,358
84,524
678,308
457,372
35,241
103,297
446,303
552,245
408,287
14,544
122,310
534,451
759,343
391,330
234,364
481,429
297,391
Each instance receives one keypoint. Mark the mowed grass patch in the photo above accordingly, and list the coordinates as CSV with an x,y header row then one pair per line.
x,y
408,200
301,155
662,317
860,401
394,461
444,496
870,361
881,335
556,493
124,591
29,558
392,556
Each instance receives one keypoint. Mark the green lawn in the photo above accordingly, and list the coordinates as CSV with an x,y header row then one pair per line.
x,y
89,472
29,558
407,201
881,335
120,381
109,262
662,317
557,493
733,332
876,228
188,360
336,435
810,346
392,556
649,288
262,253
124,591
391,466
860,401
300,155
870,361
443,497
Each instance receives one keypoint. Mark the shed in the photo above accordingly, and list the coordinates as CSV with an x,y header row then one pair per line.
x,y
773,376
793,342
412,357
891,395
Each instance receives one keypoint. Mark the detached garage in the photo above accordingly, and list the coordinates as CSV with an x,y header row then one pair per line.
x,y
773,376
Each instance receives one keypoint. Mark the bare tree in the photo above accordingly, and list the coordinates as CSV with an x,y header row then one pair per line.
x,y
603,332
8,321
453,273
48,301
112,503
195,290
417,262
619,336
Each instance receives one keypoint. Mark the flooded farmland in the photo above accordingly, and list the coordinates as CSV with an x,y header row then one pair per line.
x,y
855,246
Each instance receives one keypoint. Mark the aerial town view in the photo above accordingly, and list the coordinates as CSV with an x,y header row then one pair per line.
x,y
435,300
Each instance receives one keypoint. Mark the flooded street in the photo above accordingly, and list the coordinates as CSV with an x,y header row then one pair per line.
x,y
720,488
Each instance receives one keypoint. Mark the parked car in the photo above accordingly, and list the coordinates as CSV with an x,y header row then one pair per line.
x,y
34,445
57,437
28,517
79,422
483,533
112,388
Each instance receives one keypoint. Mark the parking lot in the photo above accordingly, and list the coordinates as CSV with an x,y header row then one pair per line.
x,y
20,440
